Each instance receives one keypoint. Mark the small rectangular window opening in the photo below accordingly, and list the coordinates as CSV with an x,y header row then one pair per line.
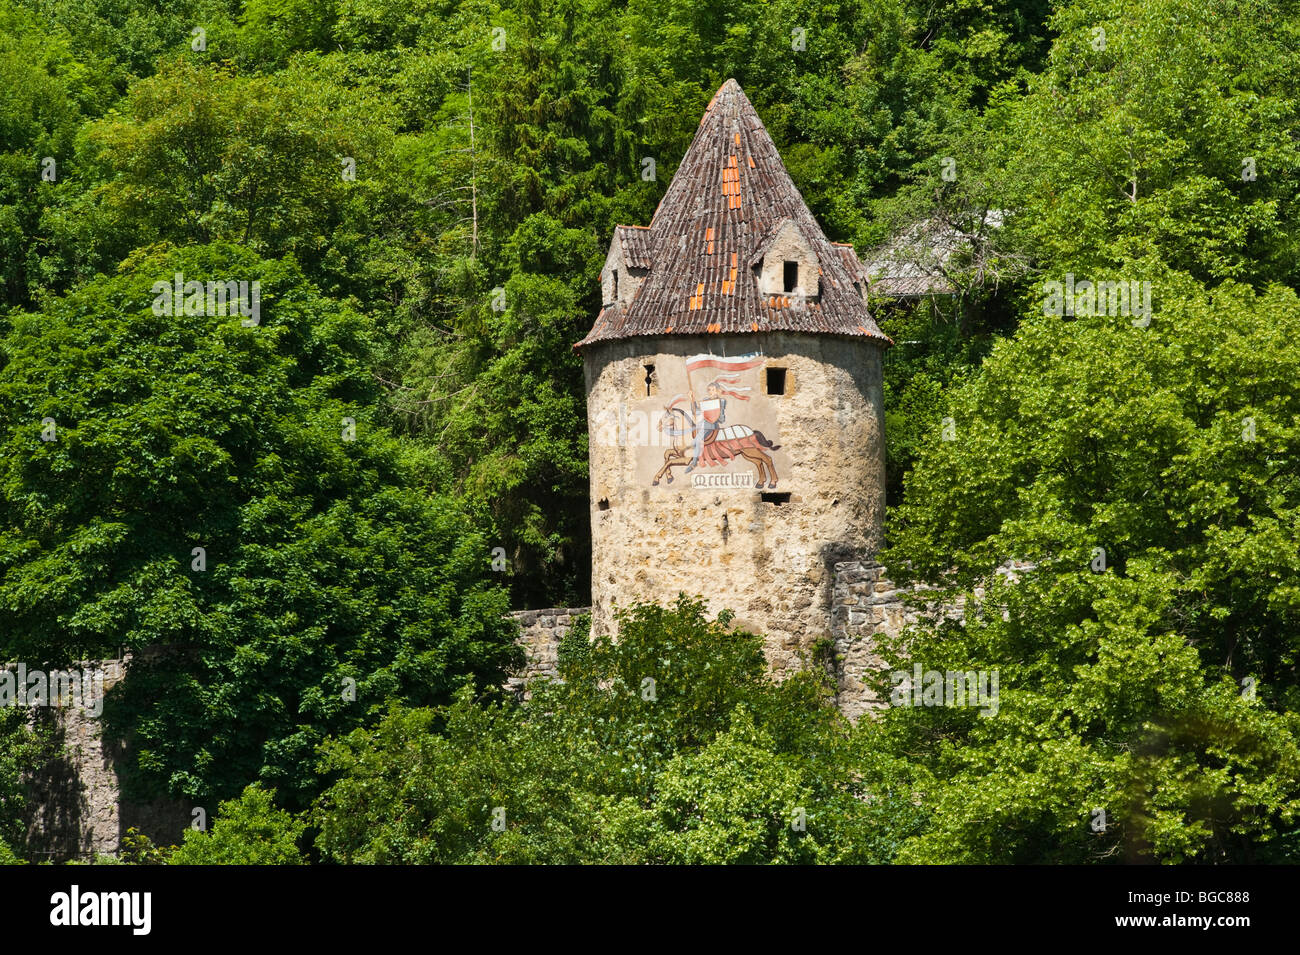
x,y
614,296
777,498
603,504
776,381
791,276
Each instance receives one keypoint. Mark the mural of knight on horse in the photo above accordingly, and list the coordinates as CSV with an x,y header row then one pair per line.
x,y
714,442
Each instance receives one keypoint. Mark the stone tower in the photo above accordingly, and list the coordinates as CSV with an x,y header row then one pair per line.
x,y
733,397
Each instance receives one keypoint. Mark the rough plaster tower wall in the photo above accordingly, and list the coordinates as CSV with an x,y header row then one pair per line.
x,y
710,533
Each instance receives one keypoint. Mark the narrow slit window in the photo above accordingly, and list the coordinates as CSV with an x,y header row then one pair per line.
x,y
791,276
776,381
775,497
649,380
614,291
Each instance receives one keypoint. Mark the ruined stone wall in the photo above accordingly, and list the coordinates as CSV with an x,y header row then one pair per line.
x,y
75,798
540,633
866,607
770,561
77,809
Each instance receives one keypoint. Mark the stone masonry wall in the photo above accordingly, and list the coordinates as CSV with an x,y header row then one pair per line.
x,y
865,606
540,633
77,809
75,799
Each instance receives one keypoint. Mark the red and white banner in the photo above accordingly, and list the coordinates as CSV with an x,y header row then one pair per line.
x,y
739,363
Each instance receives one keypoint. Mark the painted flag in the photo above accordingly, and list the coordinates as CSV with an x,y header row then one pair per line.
x,y
739,363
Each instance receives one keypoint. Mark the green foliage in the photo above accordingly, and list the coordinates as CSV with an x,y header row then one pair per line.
x,y
46,92
1139,151
712,762
1170,447
249,830
267,175
24,750
272,29
124,38
334,581
733,802
436,297
574,648
517,425
139,849
932,354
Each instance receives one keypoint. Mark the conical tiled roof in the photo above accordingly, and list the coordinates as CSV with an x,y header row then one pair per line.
x,y
729,197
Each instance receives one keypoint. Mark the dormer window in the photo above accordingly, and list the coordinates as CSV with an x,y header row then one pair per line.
x,y
786,266
626,266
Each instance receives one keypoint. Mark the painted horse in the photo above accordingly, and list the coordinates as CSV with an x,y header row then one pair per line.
x,y
721,446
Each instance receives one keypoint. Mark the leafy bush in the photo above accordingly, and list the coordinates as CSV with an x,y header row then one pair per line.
x,y
249,830
713,761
